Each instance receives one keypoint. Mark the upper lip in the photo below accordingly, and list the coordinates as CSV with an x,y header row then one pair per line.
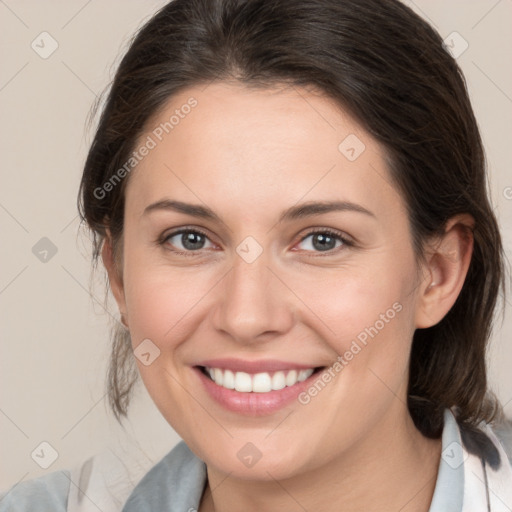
x,y
263,365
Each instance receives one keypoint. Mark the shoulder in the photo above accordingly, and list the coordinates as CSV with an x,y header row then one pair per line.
x,y
110,479
48,492
174,483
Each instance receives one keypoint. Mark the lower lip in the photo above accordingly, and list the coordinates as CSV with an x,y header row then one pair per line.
x,y
254,404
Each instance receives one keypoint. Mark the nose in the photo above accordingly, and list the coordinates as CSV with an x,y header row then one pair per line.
x,y
253,303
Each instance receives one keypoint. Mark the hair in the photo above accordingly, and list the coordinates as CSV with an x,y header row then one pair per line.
x,y
390,70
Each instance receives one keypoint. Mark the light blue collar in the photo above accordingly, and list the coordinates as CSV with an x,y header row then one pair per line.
x,y
175,484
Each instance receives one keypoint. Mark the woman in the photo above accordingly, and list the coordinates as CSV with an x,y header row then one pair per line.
x,y
290,201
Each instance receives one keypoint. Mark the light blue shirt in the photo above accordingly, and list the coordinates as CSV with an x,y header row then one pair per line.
x,y
176,483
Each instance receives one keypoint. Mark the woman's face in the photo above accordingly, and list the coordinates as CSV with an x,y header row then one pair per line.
x,y
265,281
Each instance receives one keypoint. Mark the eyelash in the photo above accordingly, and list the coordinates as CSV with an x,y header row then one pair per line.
x,y
346,242
326,231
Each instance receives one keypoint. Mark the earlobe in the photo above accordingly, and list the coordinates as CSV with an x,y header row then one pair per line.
x,y
114,276
447,266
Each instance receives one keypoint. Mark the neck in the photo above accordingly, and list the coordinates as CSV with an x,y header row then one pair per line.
x,y
394,468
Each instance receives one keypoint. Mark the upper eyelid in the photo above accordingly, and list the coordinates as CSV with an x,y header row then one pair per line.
x,y
182,230
335,232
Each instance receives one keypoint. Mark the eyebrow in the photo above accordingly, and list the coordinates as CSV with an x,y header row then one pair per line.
x,y
293,213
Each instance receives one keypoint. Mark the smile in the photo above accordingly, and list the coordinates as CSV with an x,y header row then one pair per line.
x,y
263,382
254,388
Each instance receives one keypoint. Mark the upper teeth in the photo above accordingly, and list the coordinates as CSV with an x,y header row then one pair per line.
x,y
259,382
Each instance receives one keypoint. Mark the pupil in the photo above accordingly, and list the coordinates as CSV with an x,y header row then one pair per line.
x,y
192,241
326,242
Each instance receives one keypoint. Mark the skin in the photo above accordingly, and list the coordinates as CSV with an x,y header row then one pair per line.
x,y
248,155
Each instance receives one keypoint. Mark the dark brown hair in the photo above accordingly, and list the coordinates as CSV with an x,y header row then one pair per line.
x,y
389,69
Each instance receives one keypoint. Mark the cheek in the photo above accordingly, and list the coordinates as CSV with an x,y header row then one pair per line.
x,y
367,319
149,309
159,303
358,304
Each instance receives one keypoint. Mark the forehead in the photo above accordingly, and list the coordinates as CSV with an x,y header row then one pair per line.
x,y
227,144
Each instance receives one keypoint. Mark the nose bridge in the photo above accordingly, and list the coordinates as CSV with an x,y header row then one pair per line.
x,y
253,301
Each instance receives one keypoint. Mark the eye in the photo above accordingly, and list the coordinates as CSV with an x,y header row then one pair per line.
x,y
187,240
324,240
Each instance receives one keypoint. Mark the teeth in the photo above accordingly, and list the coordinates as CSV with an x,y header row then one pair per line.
x,y
303,375
243,382
278,381
229,379
218,376
262,383
259,382
291,378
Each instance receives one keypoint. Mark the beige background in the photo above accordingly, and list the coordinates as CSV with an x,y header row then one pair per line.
x,y
54,332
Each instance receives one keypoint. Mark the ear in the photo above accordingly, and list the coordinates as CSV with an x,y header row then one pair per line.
x,y
448,259
114,275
